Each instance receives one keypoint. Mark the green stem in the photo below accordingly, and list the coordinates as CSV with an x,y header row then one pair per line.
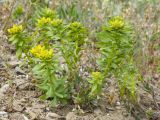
x,y
49,72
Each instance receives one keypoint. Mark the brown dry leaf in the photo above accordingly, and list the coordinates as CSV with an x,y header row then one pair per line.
x,y
112,98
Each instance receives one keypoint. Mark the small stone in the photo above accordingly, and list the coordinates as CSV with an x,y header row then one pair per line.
x,y
17,106
3,114
155,76
22,84
31,113
156,115
71,116
118,107
97,111
51,116
13,64
25,118
17,116
47,108
19,71
38,106
19,82
118,104
4,89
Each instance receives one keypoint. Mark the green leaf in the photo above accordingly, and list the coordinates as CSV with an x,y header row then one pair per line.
x,y
43,97
19,52
54,102
104,36
12,38
50,92
43,86
20,44
94,88
18,12
38,67
59,95
15,41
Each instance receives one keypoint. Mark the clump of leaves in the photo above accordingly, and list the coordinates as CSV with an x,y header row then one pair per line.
x,y
96,82
75,35
19,38
149,113
45,12
18,12
45,67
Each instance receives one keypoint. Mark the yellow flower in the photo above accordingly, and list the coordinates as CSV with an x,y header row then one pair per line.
x,y
116,23
41,52
97,78
96,75
75,26
56,22
15,29
43,21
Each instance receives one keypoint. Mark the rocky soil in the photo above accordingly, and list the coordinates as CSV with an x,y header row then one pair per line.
x,y
19,98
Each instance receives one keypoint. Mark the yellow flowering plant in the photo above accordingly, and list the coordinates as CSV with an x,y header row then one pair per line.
x,y
43,21
39,13
56,82
116,23
71,47
18,12
18,37
15,29
49,29
38,49
42,53
53,50
45,12
96,82
44,68
116,48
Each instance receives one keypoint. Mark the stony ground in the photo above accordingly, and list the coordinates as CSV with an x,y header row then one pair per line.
x,y
19,98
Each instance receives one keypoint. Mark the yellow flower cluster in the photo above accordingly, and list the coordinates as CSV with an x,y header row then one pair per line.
x,y
96,75
97,78
15,29
75,26
56,22
116,23
41,52
44,21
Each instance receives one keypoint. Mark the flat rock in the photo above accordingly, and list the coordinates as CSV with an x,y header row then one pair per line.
x,y
13,64
97,111
21,83
52,116
18,116
4,89
17,106
71,116
3,114
19,71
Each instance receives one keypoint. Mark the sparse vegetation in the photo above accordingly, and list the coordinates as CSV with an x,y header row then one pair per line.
x,y
90,54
